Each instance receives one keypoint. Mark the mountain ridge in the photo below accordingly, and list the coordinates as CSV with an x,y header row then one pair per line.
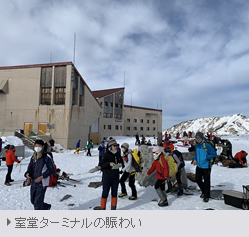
x,y
225,125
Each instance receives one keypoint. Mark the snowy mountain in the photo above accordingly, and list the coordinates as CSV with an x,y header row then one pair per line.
x,y
234,124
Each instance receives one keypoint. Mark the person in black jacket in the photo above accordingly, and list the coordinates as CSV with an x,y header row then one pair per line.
x,y
110,164
39,170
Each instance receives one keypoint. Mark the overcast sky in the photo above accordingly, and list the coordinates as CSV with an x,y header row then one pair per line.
x,y
188,58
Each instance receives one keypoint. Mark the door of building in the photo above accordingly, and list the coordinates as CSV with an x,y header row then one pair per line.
x,y
28,128
42,128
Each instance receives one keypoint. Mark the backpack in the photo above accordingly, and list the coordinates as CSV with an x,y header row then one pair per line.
x,y
172,165
53,177
179,155
137,160
212,161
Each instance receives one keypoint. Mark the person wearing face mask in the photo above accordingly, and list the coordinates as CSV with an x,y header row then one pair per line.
x,y
110,164
128,171
10,159
39,170
160,165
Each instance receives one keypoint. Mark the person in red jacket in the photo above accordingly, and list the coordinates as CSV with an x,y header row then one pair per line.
x,y
240,157
168,143
160,165
10,159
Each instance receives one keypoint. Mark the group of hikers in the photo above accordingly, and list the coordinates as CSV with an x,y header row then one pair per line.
x,y
115,160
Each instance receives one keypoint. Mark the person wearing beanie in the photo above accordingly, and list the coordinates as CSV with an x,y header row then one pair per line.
x,y
128,171
39,170
10,159
77,148
160,165
202,161
110,164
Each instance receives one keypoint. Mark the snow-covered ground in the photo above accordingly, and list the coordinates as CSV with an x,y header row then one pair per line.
x,y
16,197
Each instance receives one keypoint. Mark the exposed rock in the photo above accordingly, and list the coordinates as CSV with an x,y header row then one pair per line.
x,y
65,197
95,184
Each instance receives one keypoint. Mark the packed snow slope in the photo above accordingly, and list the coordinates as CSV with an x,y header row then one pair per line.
x,y
234,124
17,197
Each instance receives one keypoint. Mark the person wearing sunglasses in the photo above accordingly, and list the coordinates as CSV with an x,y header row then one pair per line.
x,y
110,164
202,160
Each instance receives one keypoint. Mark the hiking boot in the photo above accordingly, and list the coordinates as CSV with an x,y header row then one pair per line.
x,y
202,195
7,184
12,180
206,199
180,193
132,198
169,190
164,203
122,195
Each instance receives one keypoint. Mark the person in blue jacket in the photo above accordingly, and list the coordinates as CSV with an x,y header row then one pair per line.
x,y
77,148
39,171
202,160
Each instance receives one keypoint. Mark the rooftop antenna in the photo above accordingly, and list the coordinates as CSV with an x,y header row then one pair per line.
x,y
51,57
124,78
131,101
74,48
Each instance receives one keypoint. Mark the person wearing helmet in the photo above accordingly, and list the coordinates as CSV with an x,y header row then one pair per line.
x,y
128,171
162,172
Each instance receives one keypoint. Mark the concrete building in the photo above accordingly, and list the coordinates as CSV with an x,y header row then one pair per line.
x,y
50,99
112,119
53,99
144,121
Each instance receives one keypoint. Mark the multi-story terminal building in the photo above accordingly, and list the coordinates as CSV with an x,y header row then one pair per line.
x,y
54,99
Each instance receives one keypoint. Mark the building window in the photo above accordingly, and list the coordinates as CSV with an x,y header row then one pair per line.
x,y
46,96
60,95
111,104
106,104
116,116
135,120
116,127
148,129
128,128
109,127
104,127
116,106
110,115
148,121
120,127
121,106
141,121
105,115
128,120
154,121
74,97
135,128
141,128
120,116
154,129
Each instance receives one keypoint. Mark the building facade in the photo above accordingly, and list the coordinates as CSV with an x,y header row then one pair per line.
x,y
50,99
144,121
53,99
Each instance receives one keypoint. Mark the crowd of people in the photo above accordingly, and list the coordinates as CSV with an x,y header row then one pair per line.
x,y
115,161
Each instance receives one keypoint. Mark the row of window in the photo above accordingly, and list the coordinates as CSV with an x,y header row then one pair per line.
x,y
111,105
109,115
141,128
141,121
109,127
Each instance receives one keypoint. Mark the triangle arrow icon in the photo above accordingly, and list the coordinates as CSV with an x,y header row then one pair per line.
x,y
8,221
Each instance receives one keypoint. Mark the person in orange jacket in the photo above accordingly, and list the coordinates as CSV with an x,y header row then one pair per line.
x,y
240,157
160,165
168,143
10,159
